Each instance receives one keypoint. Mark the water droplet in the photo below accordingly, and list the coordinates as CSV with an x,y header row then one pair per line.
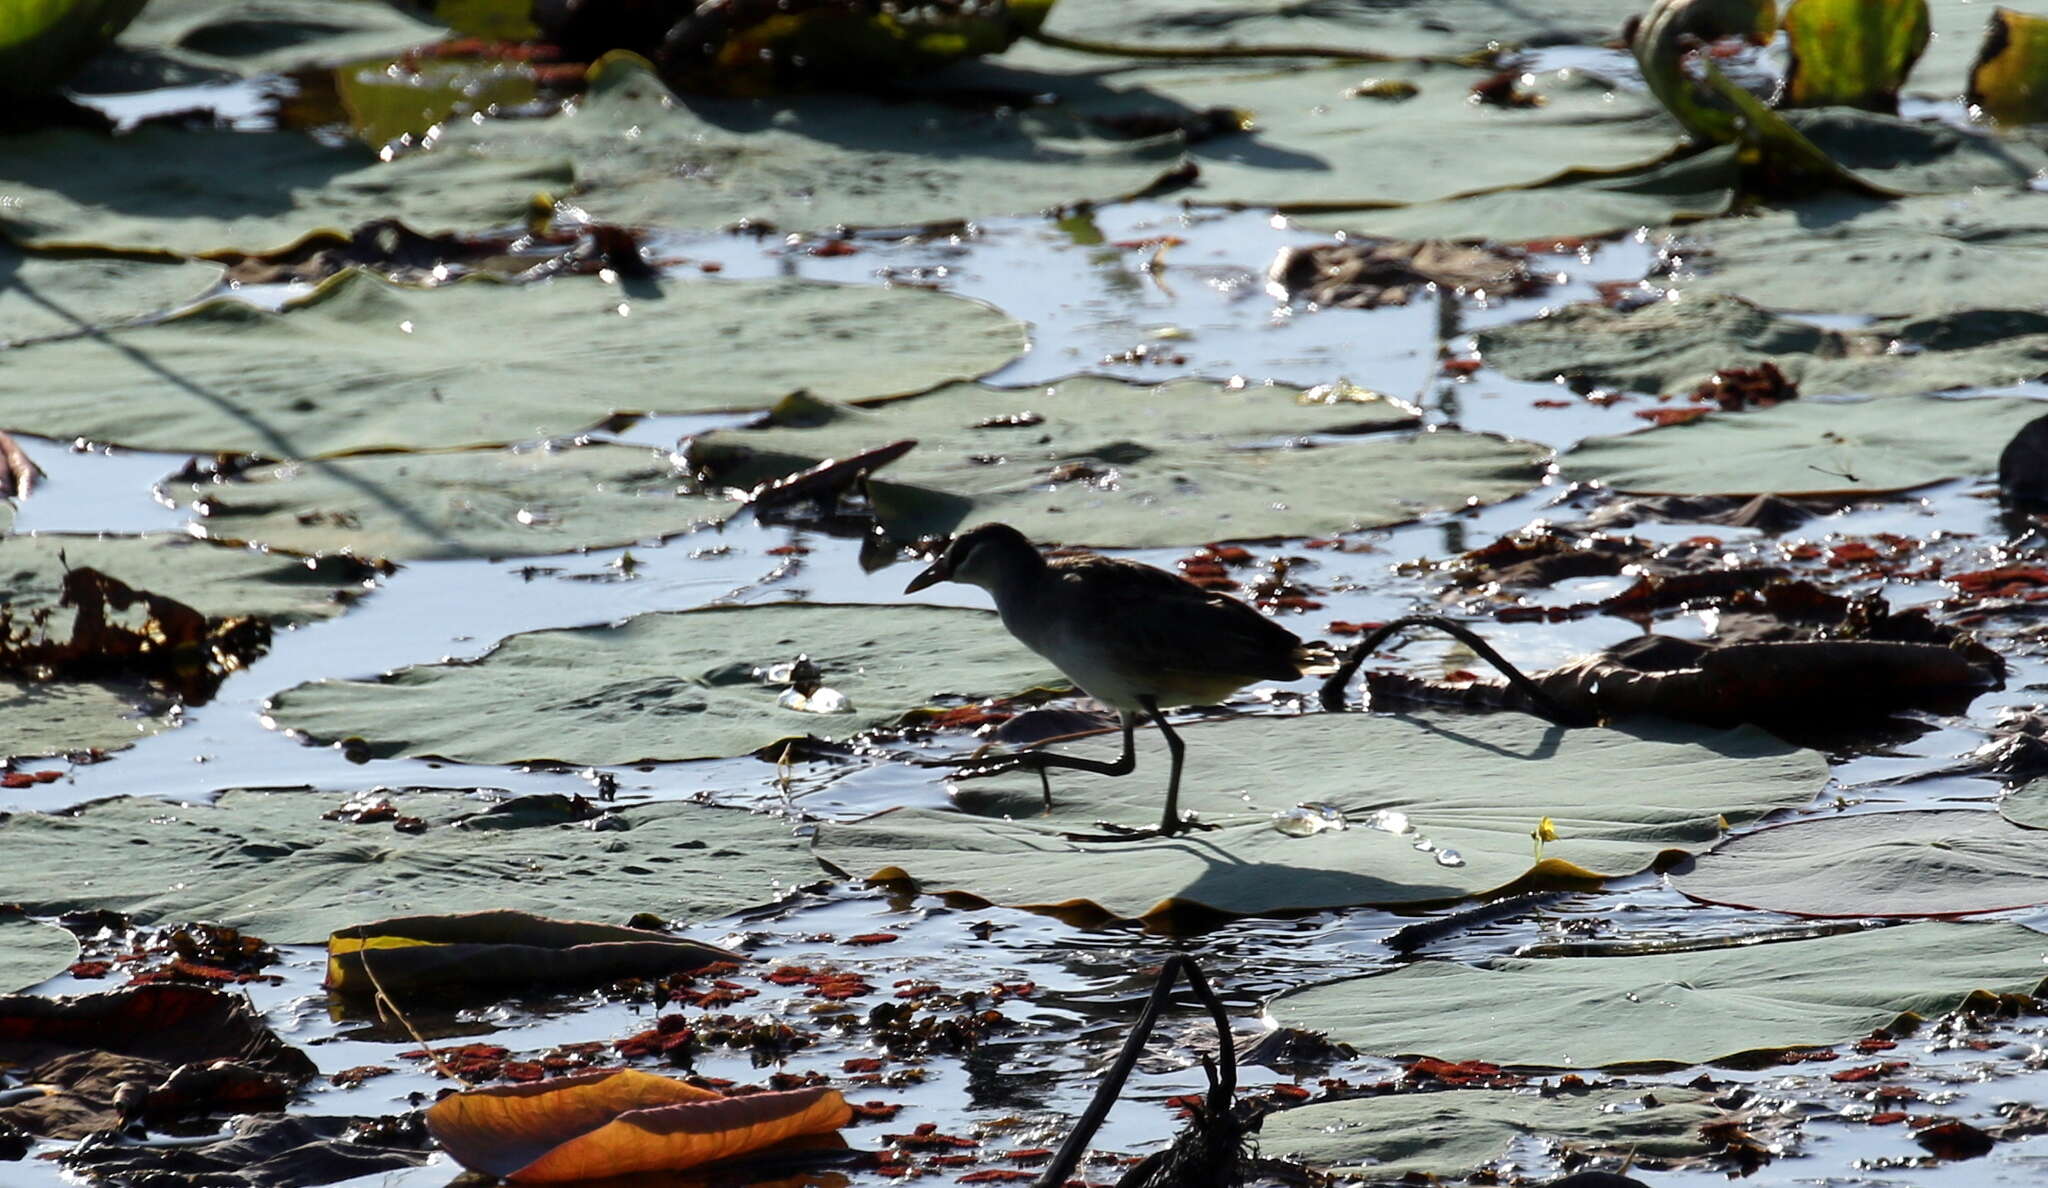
x,y
1424,844
1310,818
1389,821
1449,857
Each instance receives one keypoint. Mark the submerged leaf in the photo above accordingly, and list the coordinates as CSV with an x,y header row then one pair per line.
x,y
1855,53
1683,1007
615,1123
2009,80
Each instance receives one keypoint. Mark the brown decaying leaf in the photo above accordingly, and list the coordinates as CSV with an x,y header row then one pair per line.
x,y
828,478
1369,273
18,472
474,951
392,249
176,646
619,1122
152,1051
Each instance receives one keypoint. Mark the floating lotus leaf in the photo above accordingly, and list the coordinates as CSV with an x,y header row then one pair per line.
x,y
1923,256
364,364
1809,447
480,503
268,863
31,952
1448,1134
1948,863
41,296
237,37
1098,461
1682,1008
1671,347
667,686
1477,786
2027,805
1577,202
49,718
1852,52
1445,27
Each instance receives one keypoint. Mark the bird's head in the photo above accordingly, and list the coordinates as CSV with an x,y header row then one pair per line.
x,y
978,558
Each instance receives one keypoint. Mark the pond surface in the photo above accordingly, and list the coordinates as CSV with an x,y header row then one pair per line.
x,y
1145,291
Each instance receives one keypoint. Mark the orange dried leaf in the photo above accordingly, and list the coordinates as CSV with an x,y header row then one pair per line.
x,y
614,1123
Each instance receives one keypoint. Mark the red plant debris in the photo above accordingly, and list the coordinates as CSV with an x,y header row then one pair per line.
x,y
28,779
91,969
670,1037
926,1137
996,1175
1666,417
912,988
1868,1072
873,938
1464,366
862,1064
875,1111
1737,388
1462,1072
2009,581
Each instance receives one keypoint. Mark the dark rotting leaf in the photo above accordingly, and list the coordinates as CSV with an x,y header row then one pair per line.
x,y
176,647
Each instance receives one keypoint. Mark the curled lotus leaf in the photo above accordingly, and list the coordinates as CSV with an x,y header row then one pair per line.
x,y
2009,80
1856,53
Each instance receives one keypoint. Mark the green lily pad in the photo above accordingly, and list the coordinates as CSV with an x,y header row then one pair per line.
x,y
1671,347
1444,27
1098,461
481,362
241,38
1948,863
1446,1134
269,864
49,718
479,503
667,686
1477,786
40,296
31,952
2027,805
1808,447
1852,52
1680,1008
1851,255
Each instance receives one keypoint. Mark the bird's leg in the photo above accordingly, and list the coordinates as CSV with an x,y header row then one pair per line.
x,y
1170,823
1041,761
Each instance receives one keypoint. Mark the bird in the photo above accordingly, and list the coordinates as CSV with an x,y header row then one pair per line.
x,y
1135,637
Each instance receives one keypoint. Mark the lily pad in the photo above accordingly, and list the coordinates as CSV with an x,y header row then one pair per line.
x,y
1809,447
268,863
2027,805
1947,863
242,38
1671,347
1476,786
31,952
1852,255
1446,1134
480,362
480,503
667,686
1444,27
49,718
1680,1008
41,296
1098,461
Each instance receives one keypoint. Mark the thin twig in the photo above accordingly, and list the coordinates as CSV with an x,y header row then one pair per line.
x,y
1222,1085
1542,702
384,1003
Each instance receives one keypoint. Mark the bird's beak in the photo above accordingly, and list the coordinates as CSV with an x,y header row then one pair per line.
x,y
938,571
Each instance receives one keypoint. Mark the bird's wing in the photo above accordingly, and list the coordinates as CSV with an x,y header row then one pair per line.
x,y
1152,620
